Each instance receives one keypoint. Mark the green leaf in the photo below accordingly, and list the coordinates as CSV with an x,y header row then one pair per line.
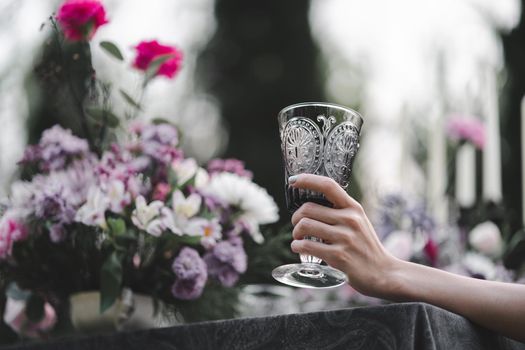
x,y
191,240
112,120
154,67
117,226
103,116
95,113
35,308
110,281
112,49
13,291
130,100
158,121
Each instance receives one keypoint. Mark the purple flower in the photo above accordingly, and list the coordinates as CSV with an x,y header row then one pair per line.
x,y
467,128
158,142
226,261
420,218
188,289
52,204
191,274
231,165
56,149
57,233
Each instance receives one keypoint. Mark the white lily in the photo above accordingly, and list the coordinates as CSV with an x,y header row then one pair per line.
x,y
147,217
184,170
117,196
92,213
202,178
184,207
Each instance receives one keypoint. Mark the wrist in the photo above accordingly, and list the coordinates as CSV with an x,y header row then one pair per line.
x,y
398,281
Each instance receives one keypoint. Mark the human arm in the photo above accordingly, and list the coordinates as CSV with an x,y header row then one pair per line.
x,y
353,247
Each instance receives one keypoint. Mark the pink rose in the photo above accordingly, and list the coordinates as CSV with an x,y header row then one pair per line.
x,y
148,51
161,191
11,230
80,19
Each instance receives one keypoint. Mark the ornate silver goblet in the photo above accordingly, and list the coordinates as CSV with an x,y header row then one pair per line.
x,y
322,139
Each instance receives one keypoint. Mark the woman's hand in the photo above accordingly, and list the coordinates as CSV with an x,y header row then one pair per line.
x,y
350,242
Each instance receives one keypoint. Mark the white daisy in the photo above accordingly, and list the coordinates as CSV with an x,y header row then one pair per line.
x,y
256,205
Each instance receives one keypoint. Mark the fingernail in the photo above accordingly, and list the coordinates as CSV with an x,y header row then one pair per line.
x,y
292,179
294,245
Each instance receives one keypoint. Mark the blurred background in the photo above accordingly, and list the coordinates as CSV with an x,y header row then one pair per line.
x,y
406,65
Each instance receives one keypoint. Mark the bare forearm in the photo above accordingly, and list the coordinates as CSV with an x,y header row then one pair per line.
x,y
495,305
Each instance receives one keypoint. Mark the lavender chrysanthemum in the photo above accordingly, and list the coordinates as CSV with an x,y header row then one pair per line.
x,y
191,274
56,149
226,261
160,142
231,165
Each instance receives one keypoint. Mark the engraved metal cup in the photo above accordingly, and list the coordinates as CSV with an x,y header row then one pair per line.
x,y
322,139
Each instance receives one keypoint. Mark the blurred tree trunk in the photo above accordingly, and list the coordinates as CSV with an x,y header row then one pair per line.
x,y
513,92
261,59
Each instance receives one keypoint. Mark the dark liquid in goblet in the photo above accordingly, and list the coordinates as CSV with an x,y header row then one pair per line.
x,y
296,197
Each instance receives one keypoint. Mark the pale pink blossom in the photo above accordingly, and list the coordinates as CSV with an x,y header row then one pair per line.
x,y
16,318
467,128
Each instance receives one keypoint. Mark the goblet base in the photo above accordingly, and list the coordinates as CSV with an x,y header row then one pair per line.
x,y
307,275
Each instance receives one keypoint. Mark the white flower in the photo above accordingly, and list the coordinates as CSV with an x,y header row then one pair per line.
x,y
169,221
21,193
117,196
479,264
185,208
256,205
399,244
184,170
202,178
209,230
148,217
92,213
486,238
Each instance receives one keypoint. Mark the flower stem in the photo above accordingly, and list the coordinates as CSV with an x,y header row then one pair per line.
x,y
76,98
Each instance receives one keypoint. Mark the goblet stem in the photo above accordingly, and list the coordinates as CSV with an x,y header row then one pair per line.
x,y
310,258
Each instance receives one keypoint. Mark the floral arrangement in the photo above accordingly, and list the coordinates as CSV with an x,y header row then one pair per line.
x,y
124,210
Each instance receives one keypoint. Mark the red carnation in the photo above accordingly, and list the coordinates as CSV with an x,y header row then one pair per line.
x,y
148,51
80,19
431,249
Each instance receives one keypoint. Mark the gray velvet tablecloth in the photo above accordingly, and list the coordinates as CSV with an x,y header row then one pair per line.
x,y
397,326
